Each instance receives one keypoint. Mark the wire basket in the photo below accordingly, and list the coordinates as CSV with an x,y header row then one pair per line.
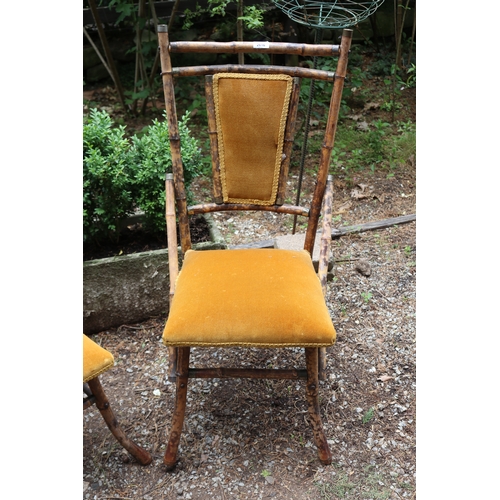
x,y
334,14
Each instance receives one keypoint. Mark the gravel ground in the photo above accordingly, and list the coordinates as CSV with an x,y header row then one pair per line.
x,y
250,439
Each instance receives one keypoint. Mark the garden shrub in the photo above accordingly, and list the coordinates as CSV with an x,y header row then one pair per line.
x,y
108,165
122,176
153,160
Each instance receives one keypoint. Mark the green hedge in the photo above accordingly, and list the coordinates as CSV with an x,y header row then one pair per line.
x,y
123,175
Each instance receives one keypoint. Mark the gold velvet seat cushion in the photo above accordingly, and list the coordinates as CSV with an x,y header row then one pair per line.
x,y
251,297
96,359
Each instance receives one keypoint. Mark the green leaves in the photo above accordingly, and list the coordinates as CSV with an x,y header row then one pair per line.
x,y
107,168
122,175
218,7
368,416
253,17
153,159
124,8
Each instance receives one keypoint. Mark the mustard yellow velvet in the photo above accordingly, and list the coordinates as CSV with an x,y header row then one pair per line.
x,y
251,113
96,359
251,297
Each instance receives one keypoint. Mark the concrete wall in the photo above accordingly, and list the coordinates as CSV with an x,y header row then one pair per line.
x,y
125,289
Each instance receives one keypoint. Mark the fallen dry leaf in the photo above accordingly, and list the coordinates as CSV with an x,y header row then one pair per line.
x,y
361,192
343,208
371,105
384,378
362,126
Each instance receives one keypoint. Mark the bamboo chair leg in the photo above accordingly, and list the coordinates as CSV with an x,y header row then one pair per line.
x,y
102,403
172,363
170,458
312,389
322,363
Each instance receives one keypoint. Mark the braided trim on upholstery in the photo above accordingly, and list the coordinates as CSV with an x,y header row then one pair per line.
x,y
242,344
96,374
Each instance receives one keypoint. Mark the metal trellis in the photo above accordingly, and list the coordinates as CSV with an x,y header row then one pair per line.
x,y
334,14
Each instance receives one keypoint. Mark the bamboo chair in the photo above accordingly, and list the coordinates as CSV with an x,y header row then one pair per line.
x,y
268,298
97,360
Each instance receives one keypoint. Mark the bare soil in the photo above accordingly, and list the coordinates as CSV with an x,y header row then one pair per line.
x,y
251,439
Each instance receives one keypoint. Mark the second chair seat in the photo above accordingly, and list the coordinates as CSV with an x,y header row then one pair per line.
x,y
96,359
248,297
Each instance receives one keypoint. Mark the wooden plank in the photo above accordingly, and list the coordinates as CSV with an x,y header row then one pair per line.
x,y
337,233
370,226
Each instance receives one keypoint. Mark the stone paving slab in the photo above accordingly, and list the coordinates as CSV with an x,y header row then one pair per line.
x,y
296,242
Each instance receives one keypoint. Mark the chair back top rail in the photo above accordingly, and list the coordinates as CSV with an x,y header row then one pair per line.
x,y
294,71
301,49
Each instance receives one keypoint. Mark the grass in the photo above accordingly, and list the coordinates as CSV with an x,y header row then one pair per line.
x,y
381,146
337,488
371,484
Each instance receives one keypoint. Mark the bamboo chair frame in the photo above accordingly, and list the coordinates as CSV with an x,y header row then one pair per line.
x,y
177,209
93,393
